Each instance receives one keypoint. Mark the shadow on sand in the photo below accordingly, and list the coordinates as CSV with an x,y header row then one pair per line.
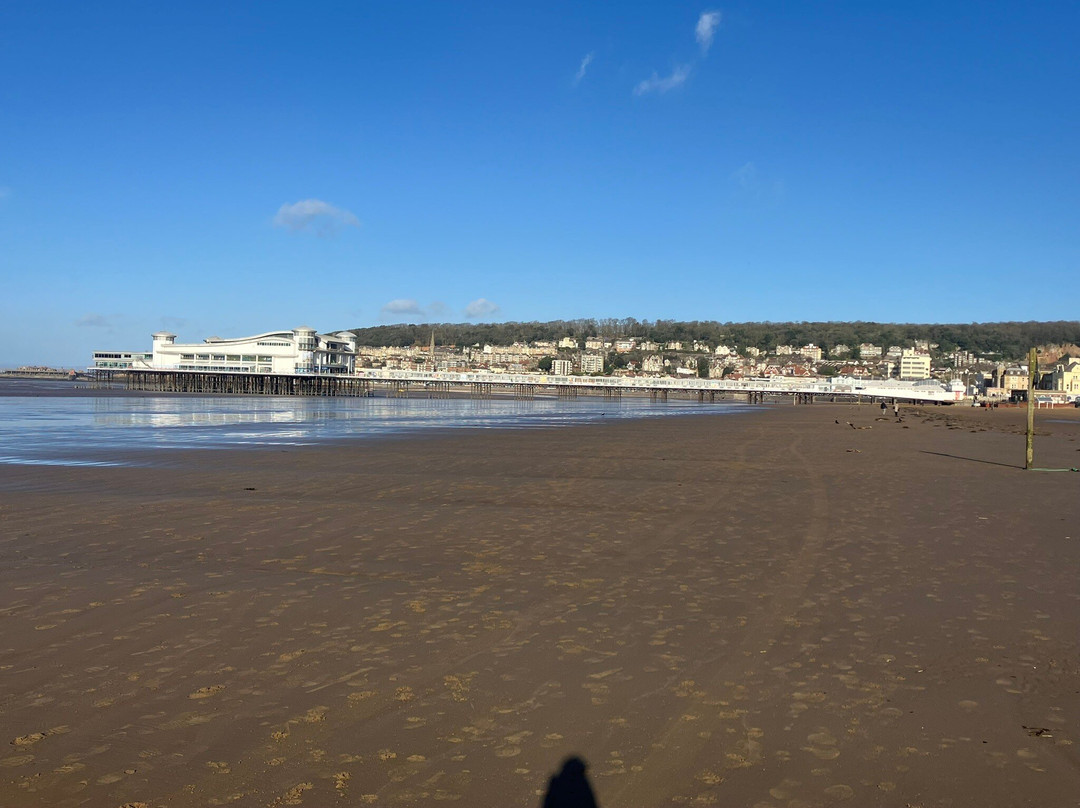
x,y
975,460
569,787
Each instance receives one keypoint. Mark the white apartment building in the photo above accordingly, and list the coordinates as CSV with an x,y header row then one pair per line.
x,y
592,363
301,350
562,367
568,342
869,351
914,365
811,351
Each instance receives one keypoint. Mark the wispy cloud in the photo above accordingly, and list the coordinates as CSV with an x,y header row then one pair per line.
x,y
314,215
705,29
750,185
481,307
437,308
402,306
584,66
94,320
658,84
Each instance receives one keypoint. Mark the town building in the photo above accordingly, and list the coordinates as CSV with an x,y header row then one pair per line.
x,y
653,363
592,363
1012,378
914,365
869,351
562,367
1065,377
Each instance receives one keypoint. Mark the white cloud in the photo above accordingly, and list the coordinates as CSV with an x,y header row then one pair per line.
x,y
656,84
584,66
402,306
705,29
480,307
314,215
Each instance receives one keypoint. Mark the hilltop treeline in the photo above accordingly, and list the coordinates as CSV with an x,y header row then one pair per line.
x,y
1007,340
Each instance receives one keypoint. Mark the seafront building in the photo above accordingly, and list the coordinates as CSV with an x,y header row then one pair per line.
x,y
300,350
1065,377
592,363
914,365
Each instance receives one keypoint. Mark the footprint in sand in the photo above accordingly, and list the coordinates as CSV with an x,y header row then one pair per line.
x,y
16,760
840,792
28,740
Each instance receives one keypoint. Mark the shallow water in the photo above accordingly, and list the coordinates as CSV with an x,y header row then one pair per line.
x,y
50,423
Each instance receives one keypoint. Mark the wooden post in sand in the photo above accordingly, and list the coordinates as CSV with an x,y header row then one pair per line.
x,y
1033,358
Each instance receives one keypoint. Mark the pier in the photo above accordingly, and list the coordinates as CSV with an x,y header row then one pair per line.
x,y
523,386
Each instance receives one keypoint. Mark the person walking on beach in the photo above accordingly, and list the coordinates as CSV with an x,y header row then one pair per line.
x,y
884,408
896,409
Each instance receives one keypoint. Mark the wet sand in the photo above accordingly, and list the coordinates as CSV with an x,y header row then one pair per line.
x,y
765,609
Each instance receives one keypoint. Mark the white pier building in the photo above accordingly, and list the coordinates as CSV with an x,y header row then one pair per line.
x,y
301,350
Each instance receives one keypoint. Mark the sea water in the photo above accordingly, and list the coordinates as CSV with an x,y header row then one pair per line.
x,y
55,423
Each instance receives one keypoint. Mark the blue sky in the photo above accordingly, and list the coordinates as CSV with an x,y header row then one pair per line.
x,y
227,169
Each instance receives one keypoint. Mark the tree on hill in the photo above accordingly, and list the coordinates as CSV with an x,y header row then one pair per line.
x,y
1006,341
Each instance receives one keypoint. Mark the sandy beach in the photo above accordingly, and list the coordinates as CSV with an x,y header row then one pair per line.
x,y
798,606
